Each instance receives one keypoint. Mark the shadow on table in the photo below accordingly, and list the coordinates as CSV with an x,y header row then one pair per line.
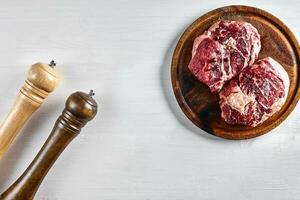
x,y
12,158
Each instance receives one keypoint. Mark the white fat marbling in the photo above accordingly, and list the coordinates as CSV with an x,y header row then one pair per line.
x,y
238,100
280,71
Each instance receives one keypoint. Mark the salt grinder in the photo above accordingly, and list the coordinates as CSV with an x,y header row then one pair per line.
x,y
41,80
80,108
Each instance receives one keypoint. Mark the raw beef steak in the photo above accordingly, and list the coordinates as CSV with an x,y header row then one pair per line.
x,y
255,94
223,51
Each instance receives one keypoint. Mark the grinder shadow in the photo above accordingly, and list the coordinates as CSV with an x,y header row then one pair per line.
x,y
12,158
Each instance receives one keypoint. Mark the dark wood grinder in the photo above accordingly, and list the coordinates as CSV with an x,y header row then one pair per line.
x,y
79,109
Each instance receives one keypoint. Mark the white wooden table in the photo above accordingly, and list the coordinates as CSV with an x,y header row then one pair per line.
x,y
140,146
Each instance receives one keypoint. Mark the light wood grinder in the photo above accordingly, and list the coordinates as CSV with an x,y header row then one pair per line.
x,y
41,80
80,108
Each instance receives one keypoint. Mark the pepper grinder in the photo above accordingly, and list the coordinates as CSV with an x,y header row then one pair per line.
x,y
80,108
41,80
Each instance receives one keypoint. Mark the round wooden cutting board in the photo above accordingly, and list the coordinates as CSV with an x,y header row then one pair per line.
x,y
196,100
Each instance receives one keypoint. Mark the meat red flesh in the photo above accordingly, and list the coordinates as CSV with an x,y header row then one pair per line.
x,y
255,94
223,51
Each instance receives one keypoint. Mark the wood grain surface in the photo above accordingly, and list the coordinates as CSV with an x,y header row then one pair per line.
x,y
196,100
41,80
80,109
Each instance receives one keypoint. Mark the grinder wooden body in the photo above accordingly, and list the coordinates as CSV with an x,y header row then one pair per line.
x,y
80,108
41,80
